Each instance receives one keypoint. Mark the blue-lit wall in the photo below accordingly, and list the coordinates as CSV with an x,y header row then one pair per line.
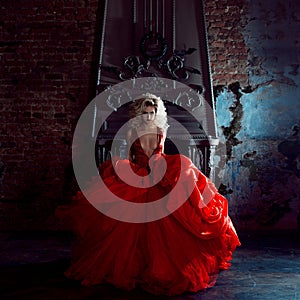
x,y
259,124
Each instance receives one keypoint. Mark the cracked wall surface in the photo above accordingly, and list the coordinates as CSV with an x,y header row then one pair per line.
x,y
259,123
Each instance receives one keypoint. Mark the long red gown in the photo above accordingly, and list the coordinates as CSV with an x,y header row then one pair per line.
x,y
181,252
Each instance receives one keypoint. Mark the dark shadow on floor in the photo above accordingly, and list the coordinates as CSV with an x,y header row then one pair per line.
x,y
267,266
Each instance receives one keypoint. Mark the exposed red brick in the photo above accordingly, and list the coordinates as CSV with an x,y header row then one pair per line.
x,y
228,52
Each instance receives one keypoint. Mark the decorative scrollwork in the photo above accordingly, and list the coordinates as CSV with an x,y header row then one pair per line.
x,y
114,99
175,67
133,68
189,100
155,84
153,46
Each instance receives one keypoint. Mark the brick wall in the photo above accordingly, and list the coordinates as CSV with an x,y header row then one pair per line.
x,y
46,55
48,68
228,52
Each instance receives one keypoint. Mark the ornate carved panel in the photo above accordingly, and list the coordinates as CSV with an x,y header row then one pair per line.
x,y
156,46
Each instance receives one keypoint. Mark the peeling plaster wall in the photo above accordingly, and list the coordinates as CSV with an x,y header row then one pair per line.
x,y
259,124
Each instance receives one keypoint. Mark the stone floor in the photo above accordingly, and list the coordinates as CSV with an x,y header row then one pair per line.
x,y
32,264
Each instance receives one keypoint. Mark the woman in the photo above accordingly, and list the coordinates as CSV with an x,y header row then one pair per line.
x,y
179,250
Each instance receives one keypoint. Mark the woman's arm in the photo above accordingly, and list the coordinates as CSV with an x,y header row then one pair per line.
x,y
128,141
163,135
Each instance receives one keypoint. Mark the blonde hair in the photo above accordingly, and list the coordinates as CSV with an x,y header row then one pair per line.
x,y
146,100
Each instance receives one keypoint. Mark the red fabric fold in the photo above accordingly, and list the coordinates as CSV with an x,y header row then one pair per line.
x,y
181,252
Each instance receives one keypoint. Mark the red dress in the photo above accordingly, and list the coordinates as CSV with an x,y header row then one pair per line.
x,y
183,251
